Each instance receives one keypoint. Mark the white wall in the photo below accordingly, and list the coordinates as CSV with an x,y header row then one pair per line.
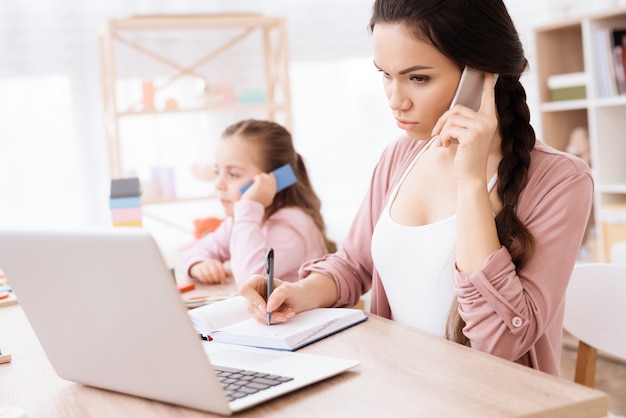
x,y
52,155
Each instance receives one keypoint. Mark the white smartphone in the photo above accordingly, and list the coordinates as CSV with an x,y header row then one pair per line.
x,y
470,89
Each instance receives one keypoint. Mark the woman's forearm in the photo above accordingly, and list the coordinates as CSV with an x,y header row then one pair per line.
x,y
316,291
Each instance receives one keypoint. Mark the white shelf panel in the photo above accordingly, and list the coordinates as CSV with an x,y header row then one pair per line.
x,y
564,105
610,101
610,188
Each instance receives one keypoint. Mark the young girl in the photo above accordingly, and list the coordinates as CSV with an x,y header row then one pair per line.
x,y
289,221
471,235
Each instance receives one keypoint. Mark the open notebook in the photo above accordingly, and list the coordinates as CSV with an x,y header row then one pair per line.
x,y
108,314
228,322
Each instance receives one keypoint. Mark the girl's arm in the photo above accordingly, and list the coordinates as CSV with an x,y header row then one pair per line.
x,y
213,246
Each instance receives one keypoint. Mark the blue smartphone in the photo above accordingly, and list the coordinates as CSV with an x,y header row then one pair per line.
x,y
284,175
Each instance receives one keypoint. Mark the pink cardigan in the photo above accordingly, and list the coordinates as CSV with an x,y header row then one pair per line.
x,y
507,314
244,239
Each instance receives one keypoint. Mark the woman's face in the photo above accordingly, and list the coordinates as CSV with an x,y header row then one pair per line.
x,y
235,166
419,80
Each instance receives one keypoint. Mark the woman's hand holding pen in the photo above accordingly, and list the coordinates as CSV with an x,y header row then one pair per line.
x,y
287,299
279,304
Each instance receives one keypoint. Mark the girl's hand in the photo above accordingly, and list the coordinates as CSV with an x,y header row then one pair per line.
x,y
474,132
209,272
280,303
262,190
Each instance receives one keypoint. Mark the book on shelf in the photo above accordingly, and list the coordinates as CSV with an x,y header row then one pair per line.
x,y
610,44
569,86
228,322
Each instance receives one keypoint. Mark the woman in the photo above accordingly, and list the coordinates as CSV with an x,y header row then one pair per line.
x,y
471,235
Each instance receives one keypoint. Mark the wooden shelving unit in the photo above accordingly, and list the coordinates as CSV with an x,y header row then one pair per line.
x,y
569,47
172,83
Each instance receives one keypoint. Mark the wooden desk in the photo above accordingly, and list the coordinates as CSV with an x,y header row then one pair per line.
x,y
403,373
215,292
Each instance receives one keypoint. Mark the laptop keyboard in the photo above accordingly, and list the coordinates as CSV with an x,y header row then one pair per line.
x,y
238,383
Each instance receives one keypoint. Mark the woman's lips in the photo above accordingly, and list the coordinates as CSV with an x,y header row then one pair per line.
x,y
405,124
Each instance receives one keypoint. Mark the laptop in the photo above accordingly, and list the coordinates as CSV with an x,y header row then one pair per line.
x,y
108,313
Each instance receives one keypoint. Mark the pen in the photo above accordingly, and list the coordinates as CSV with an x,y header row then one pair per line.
x,y
269,270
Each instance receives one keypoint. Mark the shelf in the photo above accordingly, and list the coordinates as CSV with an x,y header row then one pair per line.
x,y
575,46
610,188
241,107
172,83
169,22
610,101
564,105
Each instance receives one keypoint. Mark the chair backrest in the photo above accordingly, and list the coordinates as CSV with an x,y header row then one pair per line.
x,y
595,308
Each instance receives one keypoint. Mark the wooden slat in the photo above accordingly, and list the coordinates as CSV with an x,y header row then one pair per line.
x,y
586,364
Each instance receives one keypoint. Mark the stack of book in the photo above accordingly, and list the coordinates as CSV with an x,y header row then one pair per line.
x,y
570,86
125,202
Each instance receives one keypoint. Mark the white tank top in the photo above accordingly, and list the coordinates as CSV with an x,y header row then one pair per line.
x,y
416,266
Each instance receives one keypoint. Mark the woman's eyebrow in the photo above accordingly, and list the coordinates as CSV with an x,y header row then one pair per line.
x,y
407,70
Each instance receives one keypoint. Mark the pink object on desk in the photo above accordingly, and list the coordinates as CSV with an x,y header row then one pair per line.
x,y
125,214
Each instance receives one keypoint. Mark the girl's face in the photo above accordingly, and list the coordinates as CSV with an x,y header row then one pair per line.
x,y
235,166
419,80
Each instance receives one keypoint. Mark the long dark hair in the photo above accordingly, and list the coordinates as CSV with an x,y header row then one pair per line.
x,y
481,35
275,146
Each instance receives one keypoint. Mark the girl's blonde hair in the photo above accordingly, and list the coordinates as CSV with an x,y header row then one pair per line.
x,y
275,147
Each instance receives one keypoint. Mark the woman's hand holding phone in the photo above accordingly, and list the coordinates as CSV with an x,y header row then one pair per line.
x,y
469,91
473,131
